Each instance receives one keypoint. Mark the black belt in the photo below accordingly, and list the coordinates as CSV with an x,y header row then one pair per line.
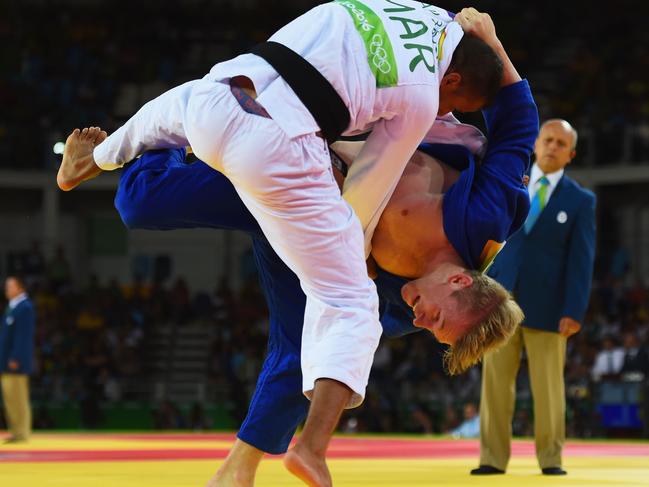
x,y
313,89
338,163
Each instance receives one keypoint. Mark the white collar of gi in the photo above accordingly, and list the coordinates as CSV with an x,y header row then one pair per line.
x,y
537,174
449,130
17,300
453,36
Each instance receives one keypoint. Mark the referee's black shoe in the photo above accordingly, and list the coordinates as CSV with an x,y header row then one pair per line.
x,y
486,470
553,471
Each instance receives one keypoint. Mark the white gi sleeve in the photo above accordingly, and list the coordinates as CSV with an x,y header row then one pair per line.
x,y
375,172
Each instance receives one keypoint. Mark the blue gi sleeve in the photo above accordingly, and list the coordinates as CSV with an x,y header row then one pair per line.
x,y
581,256
489,202
160,191
512,127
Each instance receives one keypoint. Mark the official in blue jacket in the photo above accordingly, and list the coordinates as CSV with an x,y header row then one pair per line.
x,y
548,265
16,359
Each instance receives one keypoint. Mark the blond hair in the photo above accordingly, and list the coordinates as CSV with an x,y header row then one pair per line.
x,y
497,316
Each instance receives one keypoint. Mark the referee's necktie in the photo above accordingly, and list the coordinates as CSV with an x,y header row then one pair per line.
x,y
538,203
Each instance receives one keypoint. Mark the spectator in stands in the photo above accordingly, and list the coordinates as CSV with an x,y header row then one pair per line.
x,y
34,264
198,420
58,270
636,358
168,417
470,427
609,361
450,419
179,301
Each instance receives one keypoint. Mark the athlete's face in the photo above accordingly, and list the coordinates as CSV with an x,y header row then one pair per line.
x,y
460,103
455,97
435,308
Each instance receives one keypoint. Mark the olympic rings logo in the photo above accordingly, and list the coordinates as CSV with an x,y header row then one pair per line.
x,y
380,55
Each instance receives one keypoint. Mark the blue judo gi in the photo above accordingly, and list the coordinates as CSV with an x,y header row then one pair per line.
x,y
488,203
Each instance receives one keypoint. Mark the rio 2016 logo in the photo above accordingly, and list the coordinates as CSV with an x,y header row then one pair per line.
x,y
360,16
380,55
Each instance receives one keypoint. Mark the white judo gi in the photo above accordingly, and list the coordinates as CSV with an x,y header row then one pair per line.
x,y
385,59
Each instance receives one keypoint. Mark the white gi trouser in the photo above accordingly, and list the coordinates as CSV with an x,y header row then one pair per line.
x,y
287,184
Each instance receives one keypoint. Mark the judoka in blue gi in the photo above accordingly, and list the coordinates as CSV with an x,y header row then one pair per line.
x,y
458,219
483,205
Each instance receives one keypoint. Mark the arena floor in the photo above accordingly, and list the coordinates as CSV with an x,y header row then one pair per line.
x,y
183,460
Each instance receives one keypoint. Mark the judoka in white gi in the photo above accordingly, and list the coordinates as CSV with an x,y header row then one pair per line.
x,y
395,66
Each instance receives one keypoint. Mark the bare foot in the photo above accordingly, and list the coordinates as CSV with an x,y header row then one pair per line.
x,y
239,468
101,136
232,479
78,165
309,468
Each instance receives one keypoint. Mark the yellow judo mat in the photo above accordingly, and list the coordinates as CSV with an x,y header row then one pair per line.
x,y
183,460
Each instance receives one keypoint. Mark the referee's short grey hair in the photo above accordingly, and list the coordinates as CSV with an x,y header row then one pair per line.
x,y
565,125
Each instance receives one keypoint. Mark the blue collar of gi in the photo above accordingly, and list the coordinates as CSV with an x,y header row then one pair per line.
x,y
456,201
396,315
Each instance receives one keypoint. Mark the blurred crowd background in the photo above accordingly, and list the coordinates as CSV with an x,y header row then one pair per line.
x,y
99,345
95,62
170,350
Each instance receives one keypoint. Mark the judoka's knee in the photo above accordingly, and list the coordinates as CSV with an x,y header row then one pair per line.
x,y
130,211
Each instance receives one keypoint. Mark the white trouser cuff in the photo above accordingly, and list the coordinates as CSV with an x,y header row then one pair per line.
x,y
357,385
105,156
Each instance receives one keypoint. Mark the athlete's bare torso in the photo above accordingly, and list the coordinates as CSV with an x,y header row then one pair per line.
x,y
409,237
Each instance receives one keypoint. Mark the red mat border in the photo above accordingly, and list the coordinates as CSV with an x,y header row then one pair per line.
x,y
350,448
